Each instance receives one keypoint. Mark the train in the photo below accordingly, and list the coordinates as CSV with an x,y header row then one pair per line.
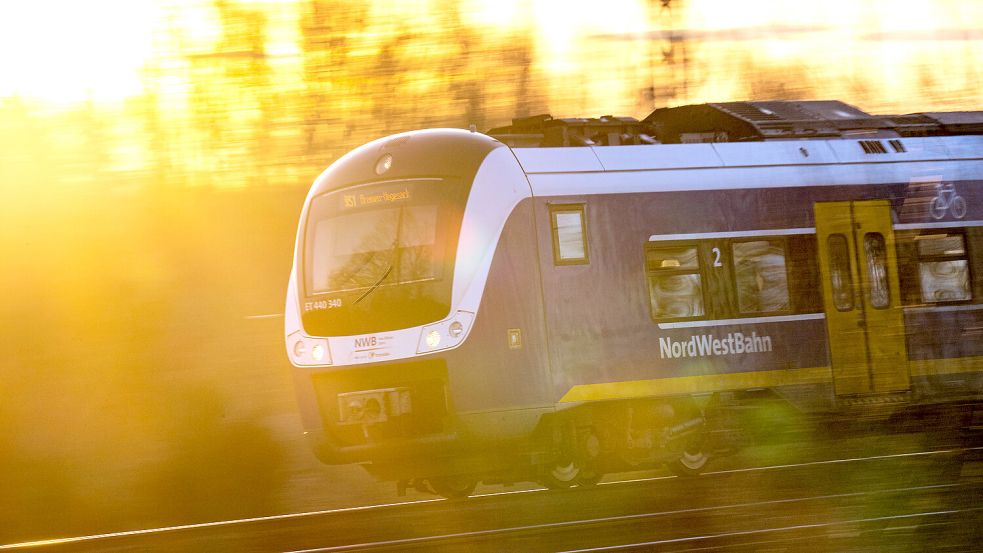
x,y
563,298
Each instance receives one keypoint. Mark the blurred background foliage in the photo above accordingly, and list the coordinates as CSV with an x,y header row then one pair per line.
x,y
147,216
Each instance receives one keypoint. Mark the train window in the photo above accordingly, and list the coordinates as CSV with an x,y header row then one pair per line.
x,y
876,254
761,276
569,234
385,246
675,282
839,272
943,268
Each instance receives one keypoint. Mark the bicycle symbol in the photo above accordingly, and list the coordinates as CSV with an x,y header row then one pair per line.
x,y
946,199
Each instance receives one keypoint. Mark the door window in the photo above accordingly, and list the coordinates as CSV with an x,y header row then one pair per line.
x,y
876,253
839,272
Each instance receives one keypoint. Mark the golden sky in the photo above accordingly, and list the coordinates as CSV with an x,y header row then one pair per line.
x,y
71,51
67,51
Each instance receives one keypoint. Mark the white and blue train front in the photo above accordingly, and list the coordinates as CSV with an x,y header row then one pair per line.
x,y
395,247
563,298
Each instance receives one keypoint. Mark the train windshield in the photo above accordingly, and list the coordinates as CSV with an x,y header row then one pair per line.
x,y
362,251
379,254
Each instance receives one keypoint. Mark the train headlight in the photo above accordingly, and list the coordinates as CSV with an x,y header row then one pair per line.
x,y
355,409
433,339
383,164
305,351
446,334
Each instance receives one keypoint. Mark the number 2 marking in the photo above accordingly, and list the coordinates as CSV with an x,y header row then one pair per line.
x,y
716,258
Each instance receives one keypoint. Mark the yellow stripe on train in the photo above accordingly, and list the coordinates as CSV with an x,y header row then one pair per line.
x,y
741,381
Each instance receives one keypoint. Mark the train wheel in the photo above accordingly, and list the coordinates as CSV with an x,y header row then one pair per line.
x,y
561,475
453,487
576,466
590,448
692,459
690,444
567,474
689,464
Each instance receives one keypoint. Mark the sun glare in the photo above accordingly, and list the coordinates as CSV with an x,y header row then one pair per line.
x,y
567,30
496,13
68,51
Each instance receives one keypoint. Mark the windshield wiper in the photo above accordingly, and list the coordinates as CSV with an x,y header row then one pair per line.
x,y
376,285
392,253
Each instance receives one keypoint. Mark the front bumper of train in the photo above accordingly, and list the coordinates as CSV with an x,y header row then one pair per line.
x,y
368,413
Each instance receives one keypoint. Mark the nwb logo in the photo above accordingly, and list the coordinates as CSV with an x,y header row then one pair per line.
x,y
369,342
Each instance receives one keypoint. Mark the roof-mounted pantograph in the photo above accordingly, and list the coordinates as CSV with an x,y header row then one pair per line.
x,y
736,122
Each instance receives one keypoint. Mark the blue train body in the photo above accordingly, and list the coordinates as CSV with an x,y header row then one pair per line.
x,y
562,298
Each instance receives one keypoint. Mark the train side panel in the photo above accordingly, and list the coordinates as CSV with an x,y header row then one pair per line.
x,y
606,343
499,378
602,332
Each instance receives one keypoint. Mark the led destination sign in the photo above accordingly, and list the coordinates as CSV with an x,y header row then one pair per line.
x,y
356,200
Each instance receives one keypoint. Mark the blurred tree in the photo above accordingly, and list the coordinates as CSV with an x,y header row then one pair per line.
x,y
329,32
231,96
367,74
777,82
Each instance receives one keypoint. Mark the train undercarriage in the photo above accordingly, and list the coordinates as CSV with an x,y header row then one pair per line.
x,y
578,446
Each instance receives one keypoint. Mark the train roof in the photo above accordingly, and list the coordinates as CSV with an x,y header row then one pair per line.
x,y
738,122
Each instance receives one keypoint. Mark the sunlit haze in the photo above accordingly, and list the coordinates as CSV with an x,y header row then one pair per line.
x,y
66,51
155,157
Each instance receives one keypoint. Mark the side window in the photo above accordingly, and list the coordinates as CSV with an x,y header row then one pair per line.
x,y
943,268
675,281
569,234
760,275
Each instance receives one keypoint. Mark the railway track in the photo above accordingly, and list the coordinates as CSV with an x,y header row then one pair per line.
x,y
910,500
715,528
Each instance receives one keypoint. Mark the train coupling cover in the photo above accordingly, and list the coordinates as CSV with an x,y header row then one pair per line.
x,y
373,406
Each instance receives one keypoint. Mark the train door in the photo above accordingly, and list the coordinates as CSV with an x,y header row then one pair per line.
x,y
861,297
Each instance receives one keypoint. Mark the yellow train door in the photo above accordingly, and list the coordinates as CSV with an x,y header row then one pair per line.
x,y
861,296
